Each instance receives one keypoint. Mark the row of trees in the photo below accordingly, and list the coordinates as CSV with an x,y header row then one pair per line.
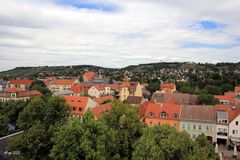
x,y
118,134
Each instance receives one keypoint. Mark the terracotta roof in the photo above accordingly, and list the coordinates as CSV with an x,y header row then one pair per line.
x,y
113,87
20,94
26,82
89,75
100,87
104,98
202,113
81,87
170,86
180,98
156,109
134,100
13,89
78,104
228,96
63,82
232,111
99,110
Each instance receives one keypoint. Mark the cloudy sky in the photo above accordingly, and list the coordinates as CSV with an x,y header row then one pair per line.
x,y
116,33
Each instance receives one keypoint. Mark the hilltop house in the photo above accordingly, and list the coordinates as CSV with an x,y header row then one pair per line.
x,y
197,119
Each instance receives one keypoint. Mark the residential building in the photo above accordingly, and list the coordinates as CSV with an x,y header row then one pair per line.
x,y
222,127
79,104
134,100
198,119
179,98
17,94
167,88
129,88
62,84
227,98
99,90
23,84
160,114
81,88
234,127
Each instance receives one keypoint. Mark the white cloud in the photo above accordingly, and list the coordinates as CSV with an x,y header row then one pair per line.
x,y
35,32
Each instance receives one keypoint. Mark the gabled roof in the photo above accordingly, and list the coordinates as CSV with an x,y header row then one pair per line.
x,y
78,104
26,82
201,113
180,98
81,87
63,82
99,110
104,98
134,100
156,109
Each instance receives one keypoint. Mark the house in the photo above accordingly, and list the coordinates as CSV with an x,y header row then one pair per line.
x,y
198,119
99,110
97,90
17,94
104,99
234,126
23,84
152,113
222,127
179,98
79,104
88,76
129,88
62,84
167,88
134,100
81,88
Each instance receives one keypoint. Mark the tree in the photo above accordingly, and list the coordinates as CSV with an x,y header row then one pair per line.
x,y
41,87
153,86
84,139
126,122
207,99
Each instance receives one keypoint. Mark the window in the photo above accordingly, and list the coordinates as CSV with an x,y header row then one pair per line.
x,y
207,128
74,108
199,127
183,126
151,114
236,123
163,115
194,127
234,131
189,126
175,116
80,109
194,136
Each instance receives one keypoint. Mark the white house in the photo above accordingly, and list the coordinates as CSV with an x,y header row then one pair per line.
x,y
234,129
222,127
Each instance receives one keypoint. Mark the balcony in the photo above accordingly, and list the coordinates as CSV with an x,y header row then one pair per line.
x,y
222,133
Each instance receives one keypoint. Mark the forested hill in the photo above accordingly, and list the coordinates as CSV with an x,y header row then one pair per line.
x,y
228,72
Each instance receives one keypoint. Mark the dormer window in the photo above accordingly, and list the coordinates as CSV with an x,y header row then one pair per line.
x,y
151,114
72,100
80,109
163,115
175,116
74,108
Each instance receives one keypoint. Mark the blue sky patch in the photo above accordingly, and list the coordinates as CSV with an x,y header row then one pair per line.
x,y
189,45
207,25
84,4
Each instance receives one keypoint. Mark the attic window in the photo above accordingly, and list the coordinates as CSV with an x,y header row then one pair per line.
x,y
151,114
80,109
79,101
175,116
74,108
163,115
72,100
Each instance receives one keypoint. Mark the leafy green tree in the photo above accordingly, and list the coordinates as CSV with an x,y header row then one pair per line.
x,y
41,87
33,144
214,90
35,111
126,122
153,86
84,139
207,99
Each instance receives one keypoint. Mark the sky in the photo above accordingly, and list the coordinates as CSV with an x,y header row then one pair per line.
x,y
117,33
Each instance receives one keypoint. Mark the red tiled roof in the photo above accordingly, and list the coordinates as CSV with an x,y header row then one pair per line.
x,y
104,98
20,94
81,87
63,82
113,87
232,112
151,107
78,104
26,82
170,86
228,96
89,75
98,110
13,89
100,87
